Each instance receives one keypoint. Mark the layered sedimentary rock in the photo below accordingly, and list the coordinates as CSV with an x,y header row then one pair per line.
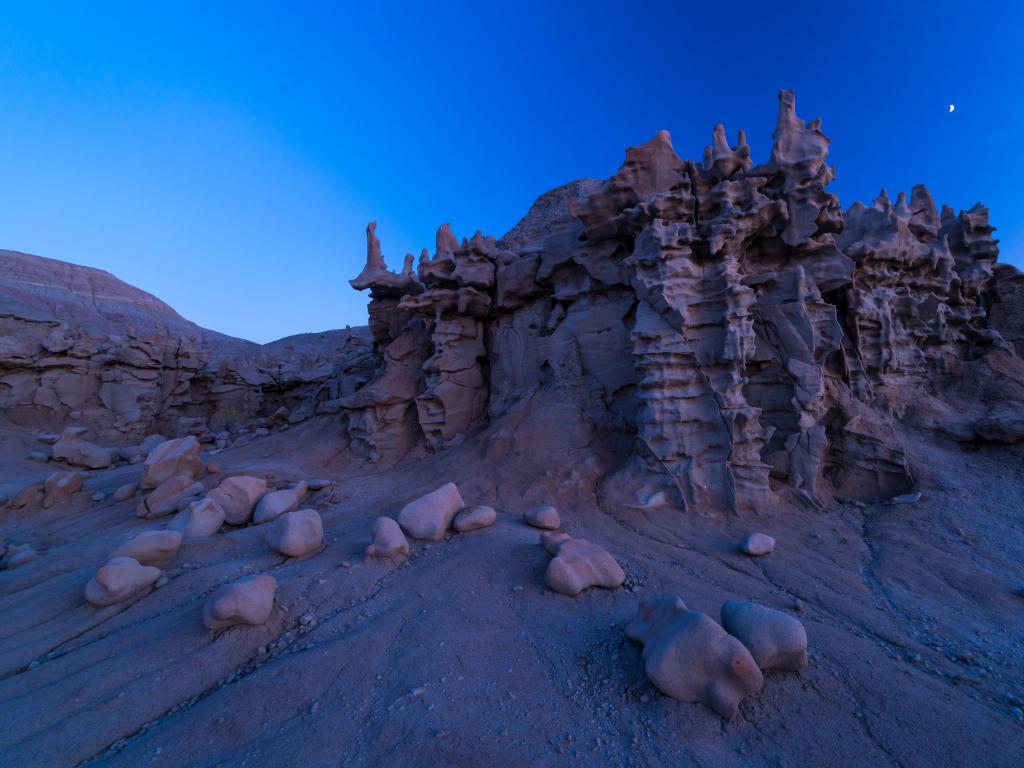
x,y
78,344
729,319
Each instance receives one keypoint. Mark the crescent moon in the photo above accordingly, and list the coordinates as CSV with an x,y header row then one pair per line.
x,y
952,107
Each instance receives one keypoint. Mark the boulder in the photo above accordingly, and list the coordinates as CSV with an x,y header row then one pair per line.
x,y
688,656
60,486
542,517
172,458
430,516
169,496
272,505
757,544
775,639
297,533
474,519
155,548
550,541
29,496
74,449
17,555
199,519
120,579
318,484
388,539
248,601
578,565
237,496
126,491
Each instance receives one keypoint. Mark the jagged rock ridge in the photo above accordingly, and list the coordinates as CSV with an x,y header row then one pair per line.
x,y
730,320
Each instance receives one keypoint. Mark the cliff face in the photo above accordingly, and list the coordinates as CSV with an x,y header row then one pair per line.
x,y
728,322
78,345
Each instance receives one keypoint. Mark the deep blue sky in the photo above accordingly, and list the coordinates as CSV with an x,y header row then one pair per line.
x,y
228,159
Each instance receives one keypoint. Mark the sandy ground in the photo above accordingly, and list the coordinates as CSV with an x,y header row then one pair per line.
x,y
458,656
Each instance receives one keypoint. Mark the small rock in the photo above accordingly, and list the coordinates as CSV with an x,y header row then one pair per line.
x,y
430,516
172,458
775,639
388,540
757,544
41,456
74,449
169,495
18,555
238,496
295,534
276,503
688,656
120,579
474,519
60,486
906,498
579,565
318,485
212,468
248,601
199,519
542,517
156,548
126,491
99,496
47,438
550,541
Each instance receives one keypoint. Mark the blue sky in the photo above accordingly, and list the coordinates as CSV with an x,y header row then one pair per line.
x,y
227,157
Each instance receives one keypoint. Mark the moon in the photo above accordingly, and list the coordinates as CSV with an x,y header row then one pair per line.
x,y
952,107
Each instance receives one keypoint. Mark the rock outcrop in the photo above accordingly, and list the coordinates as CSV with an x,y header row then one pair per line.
x,y
726,318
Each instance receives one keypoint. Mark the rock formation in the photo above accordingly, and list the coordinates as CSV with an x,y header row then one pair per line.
x,y
776,640
295,534
474,519
155,548
388,539
247,601
275,504
430,516
690,657
578,565
727,318
120,579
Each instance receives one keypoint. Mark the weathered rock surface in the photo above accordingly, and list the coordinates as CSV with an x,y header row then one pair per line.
x,y
248,601
688,656
295,534
474,519
201,518
429,517
74,449
388,539
775,639
120,579
274,504
172,458
155,548
757,544
542,517
578,565
238,496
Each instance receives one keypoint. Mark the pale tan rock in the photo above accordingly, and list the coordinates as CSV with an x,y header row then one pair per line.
x,y
550,541
757,544
775,639
248,601
126,491
388,539
201,518
170,459
237,496
155,548
120,579
272,505
295,534
578,565
60,486
542,517
169,496
474,519
74,449
688,656
430,516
